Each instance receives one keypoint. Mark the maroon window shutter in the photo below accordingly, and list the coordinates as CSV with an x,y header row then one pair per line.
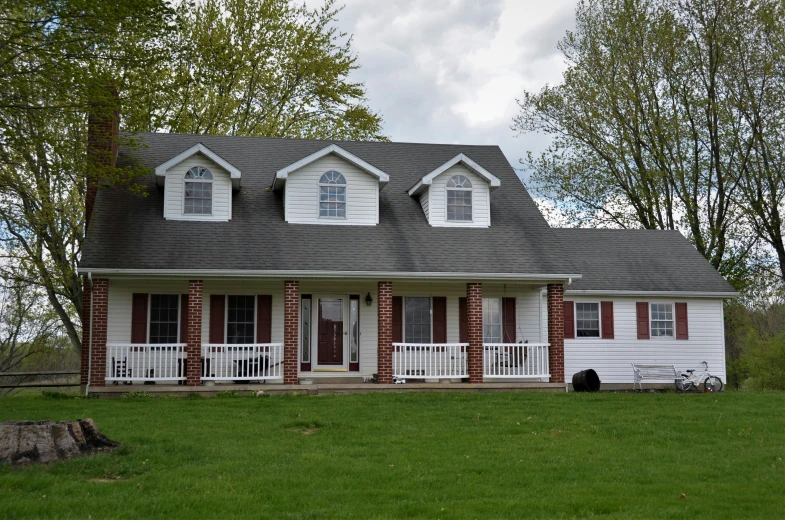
x,y
139,318
508,320
682,330
397,319
642,311
439,319
217,315
606,310
463,320
264,319
183,318
569,320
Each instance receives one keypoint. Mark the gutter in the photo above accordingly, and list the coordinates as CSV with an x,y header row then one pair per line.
x,y
255,273
90,342
686,294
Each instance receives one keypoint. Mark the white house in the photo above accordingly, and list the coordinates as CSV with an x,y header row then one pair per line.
x,y
291,261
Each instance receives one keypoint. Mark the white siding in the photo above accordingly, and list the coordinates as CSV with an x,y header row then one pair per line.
x,y
424,203
437,199
174,184
612,358
244,287
301,197
118,326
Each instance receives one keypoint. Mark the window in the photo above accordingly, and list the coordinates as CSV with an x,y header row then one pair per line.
x,y
198,192
417,320
306,326
459,199
662,320
240,319
354,329
164,318
587,320
332,195
491,320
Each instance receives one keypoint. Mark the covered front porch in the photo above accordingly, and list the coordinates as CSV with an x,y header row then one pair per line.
x,y
222,333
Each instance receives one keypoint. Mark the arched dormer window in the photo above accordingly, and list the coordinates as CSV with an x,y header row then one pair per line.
x,y
332,195
459,199
198,199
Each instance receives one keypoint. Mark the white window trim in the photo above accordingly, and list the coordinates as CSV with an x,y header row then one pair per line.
x,y
446,203
501,318
212,194
345,187
226,318
150,313
673,313
599,314
305,346
403,318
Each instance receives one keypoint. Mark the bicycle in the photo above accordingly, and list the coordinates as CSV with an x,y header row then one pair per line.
x,y
692,381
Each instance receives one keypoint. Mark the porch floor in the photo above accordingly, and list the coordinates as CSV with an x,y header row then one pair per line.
x,y
326,388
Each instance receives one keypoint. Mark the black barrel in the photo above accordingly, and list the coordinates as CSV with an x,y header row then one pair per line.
x,y
586,381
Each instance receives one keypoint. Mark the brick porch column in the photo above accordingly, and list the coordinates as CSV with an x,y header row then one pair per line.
x,y
193,350
100,299
291,328
556,332
474,328
384,351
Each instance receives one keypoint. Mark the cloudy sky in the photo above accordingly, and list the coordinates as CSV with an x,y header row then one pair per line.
x,y
449,71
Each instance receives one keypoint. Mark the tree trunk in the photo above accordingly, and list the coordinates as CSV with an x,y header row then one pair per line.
x,y
28,442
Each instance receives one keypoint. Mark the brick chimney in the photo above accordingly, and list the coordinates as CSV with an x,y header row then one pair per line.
x,y
103,131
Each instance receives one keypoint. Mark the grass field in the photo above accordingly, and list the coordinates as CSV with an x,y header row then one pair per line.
x,y
445,455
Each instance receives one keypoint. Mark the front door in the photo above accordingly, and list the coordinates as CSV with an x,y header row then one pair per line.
x,y
330,349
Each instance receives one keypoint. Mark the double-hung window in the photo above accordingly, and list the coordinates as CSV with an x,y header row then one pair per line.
x,y
240,313
164,318
661,320
417,320
587,320
198,192
491,320
459,199
332,195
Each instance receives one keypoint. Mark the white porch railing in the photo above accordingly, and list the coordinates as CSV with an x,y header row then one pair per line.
x,y
515,360
430,360
145,362
238,362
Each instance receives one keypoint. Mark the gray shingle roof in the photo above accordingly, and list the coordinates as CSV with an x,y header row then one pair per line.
x,y
638,260
128,231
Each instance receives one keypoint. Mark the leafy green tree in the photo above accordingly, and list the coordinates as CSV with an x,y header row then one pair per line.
x,y
259,67
646,128
58,56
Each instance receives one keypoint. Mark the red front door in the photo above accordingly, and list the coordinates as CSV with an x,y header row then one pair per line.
x,y
330,350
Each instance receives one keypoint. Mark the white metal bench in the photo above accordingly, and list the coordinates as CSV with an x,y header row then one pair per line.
x,y
641,372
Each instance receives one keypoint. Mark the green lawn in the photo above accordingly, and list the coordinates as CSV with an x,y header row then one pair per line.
x,y
445,455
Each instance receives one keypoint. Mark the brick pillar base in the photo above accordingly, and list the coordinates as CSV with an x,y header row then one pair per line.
x,y
474,328
97,350
193,350
556,332
384,351
291,328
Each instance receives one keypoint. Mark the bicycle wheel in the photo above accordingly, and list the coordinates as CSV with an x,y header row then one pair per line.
x,y
712,384
686,386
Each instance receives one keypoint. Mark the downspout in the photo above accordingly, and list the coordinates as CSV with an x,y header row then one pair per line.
x,y
566,384
90,341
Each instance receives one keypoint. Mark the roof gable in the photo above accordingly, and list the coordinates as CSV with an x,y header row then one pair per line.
x,y
282,174
427,180
160,170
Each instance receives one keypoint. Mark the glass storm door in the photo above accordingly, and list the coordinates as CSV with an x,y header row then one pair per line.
x,y
330,347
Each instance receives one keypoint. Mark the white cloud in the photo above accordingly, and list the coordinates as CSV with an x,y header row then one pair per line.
x,y
449,71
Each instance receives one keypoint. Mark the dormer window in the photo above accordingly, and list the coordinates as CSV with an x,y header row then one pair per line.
x,y
459,199
198,199
332,195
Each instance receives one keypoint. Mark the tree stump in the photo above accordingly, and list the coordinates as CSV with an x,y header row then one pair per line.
x,y
28,442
